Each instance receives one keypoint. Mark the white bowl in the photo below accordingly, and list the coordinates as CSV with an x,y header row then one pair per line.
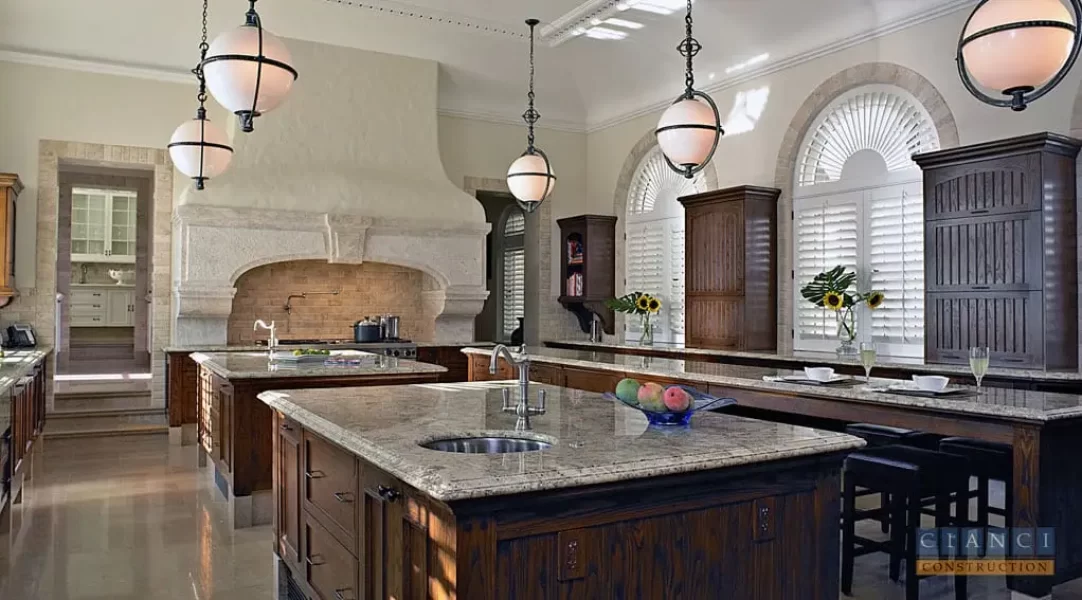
x,y
819,373
122,276
931,383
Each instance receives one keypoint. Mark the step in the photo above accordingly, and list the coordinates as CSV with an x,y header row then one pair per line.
x,y
98,425
96,403
64,387
105,412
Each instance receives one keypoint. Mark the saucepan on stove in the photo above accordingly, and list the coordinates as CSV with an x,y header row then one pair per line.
x,y
367,331
390,327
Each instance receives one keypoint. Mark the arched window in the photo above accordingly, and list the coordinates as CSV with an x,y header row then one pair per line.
x,y
654,248
512,271
859,202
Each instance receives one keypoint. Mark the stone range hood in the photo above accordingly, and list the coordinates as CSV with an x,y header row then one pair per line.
x,y
347,170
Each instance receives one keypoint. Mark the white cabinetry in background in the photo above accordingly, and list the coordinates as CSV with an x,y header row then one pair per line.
x,y
105,306
103,224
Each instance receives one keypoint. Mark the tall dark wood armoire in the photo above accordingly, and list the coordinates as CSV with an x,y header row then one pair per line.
x,y
731,268
1001,265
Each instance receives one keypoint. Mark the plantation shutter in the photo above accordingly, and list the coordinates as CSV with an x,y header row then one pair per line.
x,y
514,289
676,276
895,251
646,262
825,236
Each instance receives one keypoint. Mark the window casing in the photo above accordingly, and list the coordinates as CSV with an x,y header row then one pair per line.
x,y
859,203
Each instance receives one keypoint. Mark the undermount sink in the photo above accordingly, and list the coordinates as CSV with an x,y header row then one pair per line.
x,y
486,445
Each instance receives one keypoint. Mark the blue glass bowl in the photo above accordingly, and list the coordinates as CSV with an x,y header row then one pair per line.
x,y
700,402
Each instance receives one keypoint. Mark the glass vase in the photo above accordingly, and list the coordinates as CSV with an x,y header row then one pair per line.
x,y
847,333
647,337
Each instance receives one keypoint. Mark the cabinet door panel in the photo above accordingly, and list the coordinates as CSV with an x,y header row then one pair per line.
x,y
993,253
548,374
591,381
1009,184
1009,324
715,248
715,321
289,492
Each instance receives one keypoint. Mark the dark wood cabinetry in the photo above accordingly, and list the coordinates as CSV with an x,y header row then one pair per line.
x,y
588,268
287,472
731,268
10,188
1000,256
762,531
19,429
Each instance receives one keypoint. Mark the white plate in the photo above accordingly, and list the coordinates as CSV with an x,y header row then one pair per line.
x,y
804,379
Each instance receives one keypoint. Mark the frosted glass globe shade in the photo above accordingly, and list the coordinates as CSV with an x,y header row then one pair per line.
x,y
688,146
1026,57
184,149
233,81
527,178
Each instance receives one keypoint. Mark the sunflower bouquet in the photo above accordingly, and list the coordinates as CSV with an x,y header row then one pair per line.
x,y
830,289
643,305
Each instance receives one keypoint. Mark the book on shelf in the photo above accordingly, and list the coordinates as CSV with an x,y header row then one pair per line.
x,y
574,284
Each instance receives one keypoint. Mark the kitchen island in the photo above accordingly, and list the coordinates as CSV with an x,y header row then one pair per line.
x,y
727,508
1043,428
235,428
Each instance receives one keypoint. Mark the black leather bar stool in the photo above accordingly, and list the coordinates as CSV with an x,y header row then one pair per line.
x,y
909,475
987,461
883,435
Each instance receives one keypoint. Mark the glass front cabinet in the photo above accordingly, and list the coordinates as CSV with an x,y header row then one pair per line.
x,y
103,225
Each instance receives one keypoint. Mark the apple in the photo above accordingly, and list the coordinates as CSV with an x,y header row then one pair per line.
x,y
651,397
628,391
677,399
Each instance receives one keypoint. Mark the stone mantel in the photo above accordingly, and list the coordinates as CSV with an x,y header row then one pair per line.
x,y
214,246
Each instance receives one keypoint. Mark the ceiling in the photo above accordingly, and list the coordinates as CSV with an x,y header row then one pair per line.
x,y
581,82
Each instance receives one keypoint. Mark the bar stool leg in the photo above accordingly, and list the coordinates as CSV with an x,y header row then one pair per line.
x,y
961,582
897,535
884,516
849,500
982,501
912,584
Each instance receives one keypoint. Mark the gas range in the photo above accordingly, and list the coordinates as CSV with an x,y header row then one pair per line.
x,y
397,348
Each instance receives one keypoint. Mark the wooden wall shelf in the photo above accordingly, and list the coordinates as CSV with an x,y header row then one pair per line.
x,y
588,268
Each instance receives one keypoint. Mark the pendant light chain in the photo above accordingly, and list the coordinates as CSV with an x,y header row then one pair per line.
x,y
688,49
253,18
531,116
201,112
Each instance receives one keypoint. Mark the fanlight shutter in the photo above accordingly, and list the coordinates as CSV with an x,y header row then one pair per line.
x,y
888,122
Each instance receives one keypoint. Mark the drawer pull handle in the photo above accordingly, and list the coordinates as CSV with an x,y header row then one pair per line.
x,y
340,594
316,560
982,287
388,493
343,497
315,474
286,427
982,211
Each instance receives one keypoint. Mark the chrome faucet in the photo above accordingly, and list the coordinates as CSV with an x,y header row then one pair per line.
x,y
522,408
272,343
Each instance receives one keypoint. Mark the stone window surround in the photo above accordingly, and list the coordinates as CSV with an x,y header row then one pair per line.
x,y
40,301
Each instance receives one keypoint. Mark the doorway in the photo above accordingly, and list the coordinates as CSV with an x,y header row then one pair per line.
x,y
505,269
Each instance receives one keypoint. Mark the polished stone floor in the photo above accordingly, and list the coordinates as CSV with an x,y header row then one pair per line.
x,y
129,518
132,518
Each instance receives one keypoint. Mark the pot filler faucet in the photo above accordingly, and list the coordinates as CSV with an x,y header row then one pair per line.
x,y
523,408
272,342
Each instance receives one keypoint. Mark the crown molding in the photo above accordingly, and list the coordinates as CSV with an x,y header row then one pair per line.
x,y
782,64
438,17
513,119
56,61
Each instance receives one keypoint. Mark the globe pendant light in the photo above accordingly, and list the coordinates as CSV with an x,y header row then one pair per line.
x,y
530,177
249,70
199,148
689,130
1021,49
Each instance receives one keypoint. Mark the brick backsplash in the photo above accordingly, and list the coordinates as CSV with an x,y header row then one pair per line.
x,y
367,289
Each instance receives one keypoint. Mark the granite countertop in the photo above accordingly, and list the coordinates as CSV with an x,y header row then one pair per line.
x,y
1024,405
255,365
343,346
801,358
16,365
594,440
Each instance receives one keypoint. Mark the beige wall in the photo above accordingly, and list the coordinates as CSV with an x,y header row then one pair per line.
x,y
42,103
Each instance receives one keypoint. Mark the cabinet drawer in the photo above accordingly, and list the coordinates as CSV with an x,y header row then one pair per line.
x,y
1010,324
330,569
330,487
88,310
80,297
991,253
549,374
1003,185
87,321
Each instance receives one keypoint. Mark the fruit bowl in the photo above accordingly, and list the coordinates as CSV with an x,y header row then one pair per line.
x,y
699,402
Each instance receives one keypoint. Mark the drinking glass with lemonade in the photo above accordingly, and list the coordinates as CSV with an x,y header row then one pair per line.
x,y
867,358
978,363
